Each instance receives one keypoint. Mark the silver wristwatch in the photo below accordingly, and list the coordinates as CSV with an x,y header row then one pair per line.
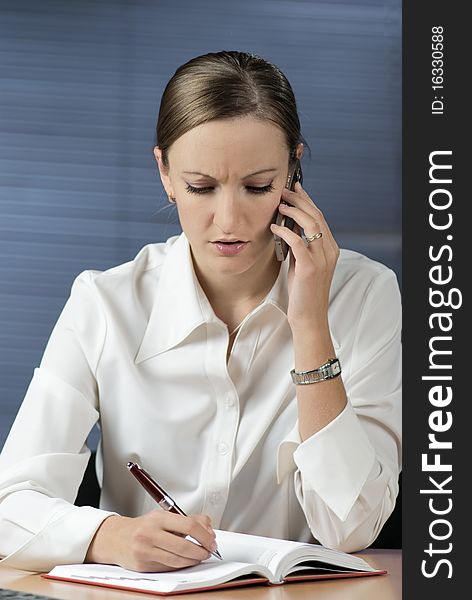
x,y
329,370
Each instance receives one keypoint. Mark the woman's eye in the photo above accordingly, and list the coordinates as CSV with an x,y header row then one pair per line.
x,y
196,190
260,190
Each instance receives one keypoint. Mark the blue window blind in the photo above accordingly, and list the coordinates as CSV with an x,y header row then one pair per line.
x,y
80,84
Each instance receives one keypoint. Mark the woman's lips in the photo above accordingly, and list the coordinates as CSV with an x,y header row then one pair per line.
x,y
229,248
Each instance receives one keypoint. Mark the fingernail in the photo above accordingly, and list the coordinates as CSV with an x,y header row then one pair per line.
x,y
214,547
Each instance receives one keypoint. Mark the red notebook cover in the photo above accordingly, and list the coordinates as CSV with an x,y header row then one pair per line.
x,y
256,580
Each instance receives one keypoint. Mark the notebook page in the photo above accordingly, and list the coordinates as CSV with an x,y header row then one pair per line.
x,y
255,549
209,572
281,556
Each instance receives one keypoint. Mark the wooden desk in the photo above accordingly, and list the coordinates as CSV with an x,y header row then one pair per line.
x,y
385,587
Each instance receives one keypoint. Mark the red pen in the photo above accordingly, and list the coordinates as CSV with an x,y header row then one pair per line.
x,y
159,495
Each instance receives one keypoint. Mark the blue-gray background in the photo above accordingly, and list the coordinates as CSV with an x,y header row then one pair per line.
x,y
80,84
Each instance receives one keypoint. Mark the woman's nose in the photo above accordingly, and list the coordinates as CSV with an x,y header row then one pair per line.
x,y
227,215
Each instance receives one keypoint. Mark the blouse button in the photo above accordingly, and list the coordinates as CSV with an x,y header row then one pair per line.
x,y
222,448
215,497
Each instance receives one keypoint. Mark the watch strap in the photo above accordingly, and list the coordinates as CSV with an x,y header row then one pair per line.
x,y
330,370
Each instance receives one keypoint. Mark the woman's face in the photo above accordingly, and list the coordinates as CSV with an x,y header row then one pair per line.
x,y
227,177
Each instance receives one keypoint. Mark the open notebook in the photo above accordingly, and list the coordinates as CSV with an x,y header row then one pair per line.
x,y
247,559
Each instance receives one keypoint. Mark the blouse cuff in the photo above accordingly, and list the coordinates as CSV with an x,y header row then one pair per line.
x,y
65,541
335,462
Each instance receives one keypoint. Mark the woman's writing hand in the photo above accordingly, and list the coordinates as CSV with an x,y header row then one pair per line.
x,y
311,265
153,542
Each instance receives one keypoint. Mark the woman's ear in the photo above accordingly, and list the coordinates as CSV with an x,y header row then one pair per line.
x,y
163,172
299,150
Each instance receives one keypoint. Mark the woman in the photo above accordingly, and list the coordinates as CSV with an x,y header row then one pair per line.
x,y
184,357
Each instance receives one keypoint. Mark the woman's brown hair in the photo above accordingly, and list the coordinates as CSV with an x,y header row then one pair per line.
x,y
223,85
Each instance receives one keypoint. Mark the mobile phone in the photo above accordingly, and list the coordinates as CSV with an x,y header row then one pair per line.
x,y
281,246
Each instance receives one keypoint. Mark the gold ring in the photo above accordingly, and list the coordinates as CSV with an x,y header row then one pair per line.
x,y
315,236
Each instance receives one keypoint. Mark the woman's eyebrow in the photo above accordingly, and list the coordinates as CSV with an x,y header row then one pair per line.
x,y
246,177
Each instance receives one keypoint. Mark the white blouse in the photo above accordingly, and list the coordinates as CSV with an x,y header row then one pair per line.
x,y
139,349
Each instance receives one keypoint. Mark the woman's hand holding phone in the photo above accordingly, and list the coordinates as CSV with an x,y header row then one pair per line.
x,y
311,270
311,264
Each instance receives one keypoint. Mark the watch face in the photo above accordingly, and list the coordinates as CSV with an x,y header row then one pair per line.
x,y
335,368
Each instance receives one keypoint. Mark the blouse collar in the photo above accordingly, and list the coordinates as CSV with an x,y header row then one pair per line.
x,y
181,304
